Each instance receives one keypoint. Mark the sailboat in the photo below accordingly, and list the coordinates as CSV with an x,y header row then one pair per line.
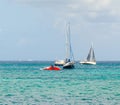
x,y
90,60
69,61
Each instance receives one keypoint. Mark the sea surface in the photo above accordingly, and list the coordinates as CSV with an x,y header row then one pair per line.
x,y
26,83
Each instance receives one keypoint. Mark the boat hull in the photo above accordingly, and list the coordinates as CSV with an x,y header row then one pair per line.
x,y
52,68
88,63
69,65
59,63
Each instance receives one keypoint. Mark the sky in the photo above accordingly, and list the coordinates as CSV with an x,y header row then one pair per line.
x,y
35,29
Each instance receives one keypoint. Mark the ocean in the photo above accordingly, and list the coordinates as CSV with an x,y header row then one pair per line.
x,y
26,83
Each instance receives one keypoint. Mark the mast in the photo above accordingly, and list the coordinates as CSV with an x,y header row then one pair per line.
x,y
67,41
69,53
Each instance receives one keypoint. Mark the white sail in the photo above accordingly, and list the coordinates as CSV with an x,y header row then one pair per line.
x,y
91,55
90,58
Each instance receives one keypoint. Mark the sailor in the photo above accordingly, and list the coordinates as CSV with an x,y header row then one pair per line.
x,y
52,66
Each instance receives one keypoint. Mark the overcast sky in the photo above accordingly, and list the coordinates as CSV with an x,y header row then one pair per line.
x,y
35,29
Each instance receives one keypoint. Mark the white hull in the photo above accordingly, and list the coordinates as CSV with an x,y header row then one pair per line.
x,y
59,62
88,62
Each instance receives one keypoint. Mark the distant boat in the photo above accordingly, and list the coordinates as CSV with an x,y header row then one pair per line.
x,y
69,61
52,68
90,60
59,62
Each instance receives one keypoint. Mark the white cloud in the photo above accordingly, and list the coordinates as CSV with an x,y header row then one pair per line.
x,y
98,4
86,10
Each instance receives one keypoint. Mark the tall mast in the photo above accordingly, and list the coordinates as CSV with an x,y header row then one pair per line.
x,y
69,53
68,41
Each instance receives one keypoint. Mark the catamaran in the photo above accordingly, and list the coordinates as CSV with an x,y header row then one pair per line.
x,y
90,60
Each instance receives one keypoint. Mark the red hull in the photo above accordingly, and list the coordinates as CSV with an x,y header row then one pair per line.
x,y
52,68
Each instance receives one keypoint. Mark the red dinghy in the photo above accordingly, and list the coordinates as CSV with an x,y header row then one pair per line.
x,y
52,68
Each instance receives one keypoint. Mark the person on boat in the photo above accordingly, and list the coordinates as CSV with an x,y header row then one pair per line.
x,y
67,60
52,66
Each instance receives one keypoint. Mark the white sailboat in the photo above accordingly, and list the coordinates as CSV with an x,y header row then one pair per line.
x,y
90,60
69,61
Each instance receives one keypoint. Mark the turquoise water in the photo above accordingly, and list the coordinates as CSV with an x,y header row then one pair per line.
x,y
25,83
